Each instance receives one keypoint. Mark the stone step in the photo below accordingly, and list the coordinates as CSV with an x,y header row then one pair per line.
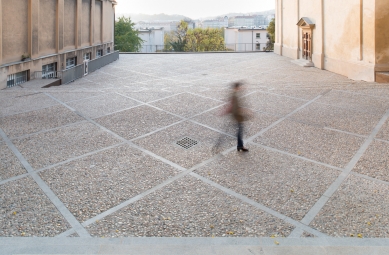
x,y
303,62
382,77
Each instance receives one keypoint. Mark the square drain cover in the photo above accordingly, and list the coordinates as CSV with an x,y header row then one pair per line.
x,y
187,143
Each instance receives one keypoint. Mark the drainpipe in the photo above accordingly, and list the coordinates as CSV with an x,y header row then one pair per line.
x,y
252,39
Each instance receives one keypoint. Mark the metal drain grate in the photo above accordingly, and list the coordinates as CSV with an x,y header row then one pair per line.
x,y
186,142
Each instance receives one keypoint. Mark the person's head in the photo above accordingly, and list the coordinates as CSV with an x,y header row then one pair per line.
x,y
237,85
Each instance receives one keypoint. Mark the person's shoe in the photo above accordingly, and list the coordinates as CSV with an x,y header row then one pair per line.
x,y
242,149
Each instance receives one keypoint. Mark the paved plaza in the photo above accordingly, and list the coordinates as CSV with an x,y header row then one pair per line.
x,y
101,157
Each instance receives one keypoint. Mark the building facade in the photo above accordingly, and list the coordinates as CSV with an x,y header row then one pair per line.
x,y
52,35
245,39
215,23
348,37
241,21
153,39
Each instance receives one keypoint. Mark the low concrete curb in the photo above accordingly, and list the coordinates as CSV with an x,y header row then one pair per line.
x,y
171,246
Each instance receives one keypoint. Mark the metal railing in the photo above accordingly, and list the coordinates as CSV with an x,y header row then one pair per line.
x,y
103,61
48,75
232,47
72,74
78,71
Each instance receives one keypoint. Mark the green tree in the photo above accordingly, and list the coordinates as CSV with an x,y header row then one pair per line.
x,y
126,36
195,40
271,29
209,39
180,35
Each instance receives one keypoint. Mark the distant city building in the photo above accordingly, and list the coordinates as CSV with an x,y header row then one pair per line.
x,y
166,25
153,39
215,23
241,21
245,39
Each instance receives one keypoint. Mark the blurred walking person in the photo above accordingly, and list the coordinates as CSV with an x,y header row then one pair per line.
x,y
239,114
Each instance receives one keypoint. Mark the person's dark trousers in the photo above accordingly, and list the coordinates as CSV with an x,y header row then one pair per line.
x,y
240,134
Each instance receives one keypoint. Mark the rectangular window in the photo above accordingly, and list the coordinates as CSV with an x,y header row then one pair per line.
x,y
87,56
70,62
99,53
258,35
109,50
17,78
258,46
49,71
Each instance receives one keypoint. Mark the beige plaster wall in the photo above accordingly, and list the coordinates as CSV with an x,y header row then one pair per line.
x,y
368,37
382,32
108,21
14,29
47,26
98,23
342,32
85,27
70,24
351,37
289,30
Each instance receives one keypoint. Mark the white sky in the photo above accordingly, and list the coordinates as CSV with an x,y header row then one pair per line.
x,y
193,8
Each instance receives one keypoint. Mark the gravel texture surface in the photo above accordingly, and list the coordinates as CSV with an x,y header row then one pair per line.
x,y
306,234
312,142
72,96
288,185
102,105
356,102
137,121
148,96
163,143
26,211
374,162
343,119
25,102
92,185
189,208
305,94
274,104
384,132
51,147
35,121
183,85
10,166
186,105
358,207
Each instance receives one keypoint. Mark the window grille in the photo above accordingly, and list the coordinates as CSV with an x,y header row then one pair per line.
x,y
17,79
70,62
48,71
99,53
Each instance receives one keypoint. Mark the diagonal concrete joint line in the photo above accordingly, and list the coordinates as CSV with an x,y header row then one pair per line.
x,y
347,170
258,205
45,188
252,138
59,101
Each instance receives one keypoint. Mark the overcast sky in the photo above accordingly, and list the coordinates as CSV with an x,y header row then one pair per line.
x,y
193,9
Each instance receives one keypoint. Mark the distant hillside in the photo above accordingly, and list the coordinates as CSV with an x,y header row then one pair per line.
x,y
232,14
146,17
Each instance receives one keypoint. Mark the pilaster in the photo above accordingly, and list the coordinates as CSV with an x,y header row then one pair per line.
x,y
1,33
102,21
92,22
78,23
33,28
60,25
